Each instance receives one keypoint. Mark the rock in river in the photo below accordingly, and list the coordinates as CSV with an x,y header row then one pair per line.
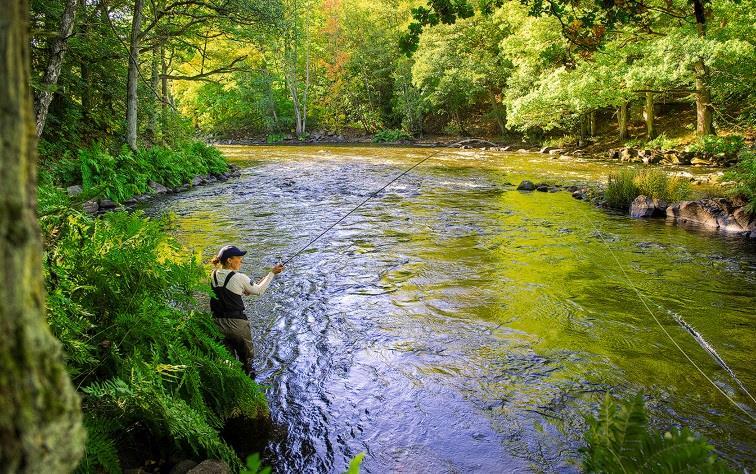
x,y
526,186
644,206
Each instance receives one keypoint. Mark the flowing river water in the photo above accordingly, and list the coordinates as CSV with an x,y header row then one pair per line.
x,y
454,324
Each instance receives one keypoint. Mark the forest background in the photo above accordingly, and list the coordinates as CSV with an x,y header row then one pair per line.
x,y
241,68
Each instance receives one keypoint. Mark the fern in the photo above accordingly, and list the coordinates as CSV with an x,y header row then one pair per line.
x,y
619,440
142,356
100,451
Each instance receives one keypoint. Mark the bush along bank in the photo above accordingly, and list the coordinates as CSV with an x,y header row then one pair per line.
x,y
157,386
103,181
653,193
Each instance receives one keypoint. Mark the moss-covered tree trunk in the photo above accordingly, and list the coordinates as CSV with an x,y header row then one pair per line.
x,y
40,415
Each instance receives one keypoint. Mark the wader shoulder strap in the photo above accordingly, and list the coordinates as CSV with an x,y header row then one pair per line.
x,y
228,278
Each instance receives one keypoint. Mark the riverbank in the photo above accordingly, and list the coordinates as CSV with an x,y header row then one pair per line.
x,y
125,299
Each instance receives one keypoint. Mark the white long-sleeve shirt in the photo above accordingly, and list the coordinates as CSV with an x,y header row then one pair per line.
x,y
241,284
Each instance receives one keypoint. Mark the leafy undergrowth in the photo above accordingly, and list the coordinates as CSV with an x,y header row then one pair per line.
x,y
744,176
125,174
147,363
619,440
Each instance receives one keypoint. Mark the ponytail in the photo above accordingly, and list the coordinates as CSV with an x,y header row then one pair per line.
x,y
215,261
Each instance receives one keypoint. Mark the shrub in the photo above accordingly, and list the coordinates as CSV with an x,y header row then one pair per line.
x,y
624,186
274,138
391,135
621,189
619,440
744,175
120,299
659,185
729,145
562,141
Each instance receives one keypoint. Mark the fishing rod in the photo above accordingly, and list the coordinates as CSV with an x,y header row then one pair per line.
x,y
370,196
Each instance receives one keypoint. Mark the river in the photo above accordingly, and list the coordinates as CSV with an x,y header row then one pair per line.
x,y
454,324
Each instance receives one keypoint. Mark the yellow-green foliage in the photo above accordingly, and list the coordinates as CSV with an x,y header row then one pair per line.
x,y
744,175
625,185
120,299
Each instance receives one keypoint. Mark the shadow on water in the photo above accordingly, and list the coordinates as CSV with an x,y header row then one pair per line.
x,y
457,325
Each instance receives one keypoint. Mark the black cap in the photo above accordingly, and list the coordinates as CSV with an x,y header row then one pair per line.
x,y
230,251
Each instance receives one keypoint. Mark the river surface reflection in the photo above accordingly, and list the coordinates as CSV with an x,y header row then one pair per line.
x,y
455,324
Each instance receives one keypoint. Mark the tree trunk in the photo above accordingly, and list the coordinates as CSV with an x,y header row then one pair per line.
x,y
40,414
649,116
499,112
57,52
704,115
163,95
593,123
155,85
86,78
622,121
133,77
704,112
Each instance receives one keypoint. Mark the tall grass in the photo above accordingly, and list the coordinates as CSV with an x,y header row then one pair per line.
x,y
625,185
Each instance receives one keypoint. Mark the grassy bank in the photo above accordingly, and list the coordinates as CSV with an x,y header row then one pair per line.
x,y
155,381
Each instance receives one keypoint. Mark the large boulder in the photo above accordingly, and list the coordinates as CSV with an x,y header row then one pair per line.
x,y
719,214
644,206
210,466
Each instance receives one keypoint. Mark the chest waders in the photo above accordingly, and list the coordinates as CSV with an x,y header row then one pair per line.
x,y
226,303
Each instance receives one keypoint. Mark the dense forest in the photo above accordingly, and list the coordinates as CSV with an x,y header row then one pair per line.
x,y
127,94
244,68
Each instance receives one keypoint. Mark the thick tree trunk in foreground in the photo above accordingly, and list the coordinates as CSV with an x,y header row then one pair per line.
x,y
622,121
40,416
648,113
133,77
57,51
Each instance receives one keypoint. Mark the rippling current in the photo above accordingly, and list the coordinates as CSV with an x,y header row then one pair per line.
x,y
454,324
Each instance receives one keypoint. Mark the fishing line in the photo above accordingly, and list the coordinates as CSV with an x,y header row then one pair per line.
x,y
664,330
370,196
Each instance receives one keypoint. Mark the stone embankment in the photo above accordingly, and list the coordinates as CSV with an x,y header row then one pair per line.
x,y
102,205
